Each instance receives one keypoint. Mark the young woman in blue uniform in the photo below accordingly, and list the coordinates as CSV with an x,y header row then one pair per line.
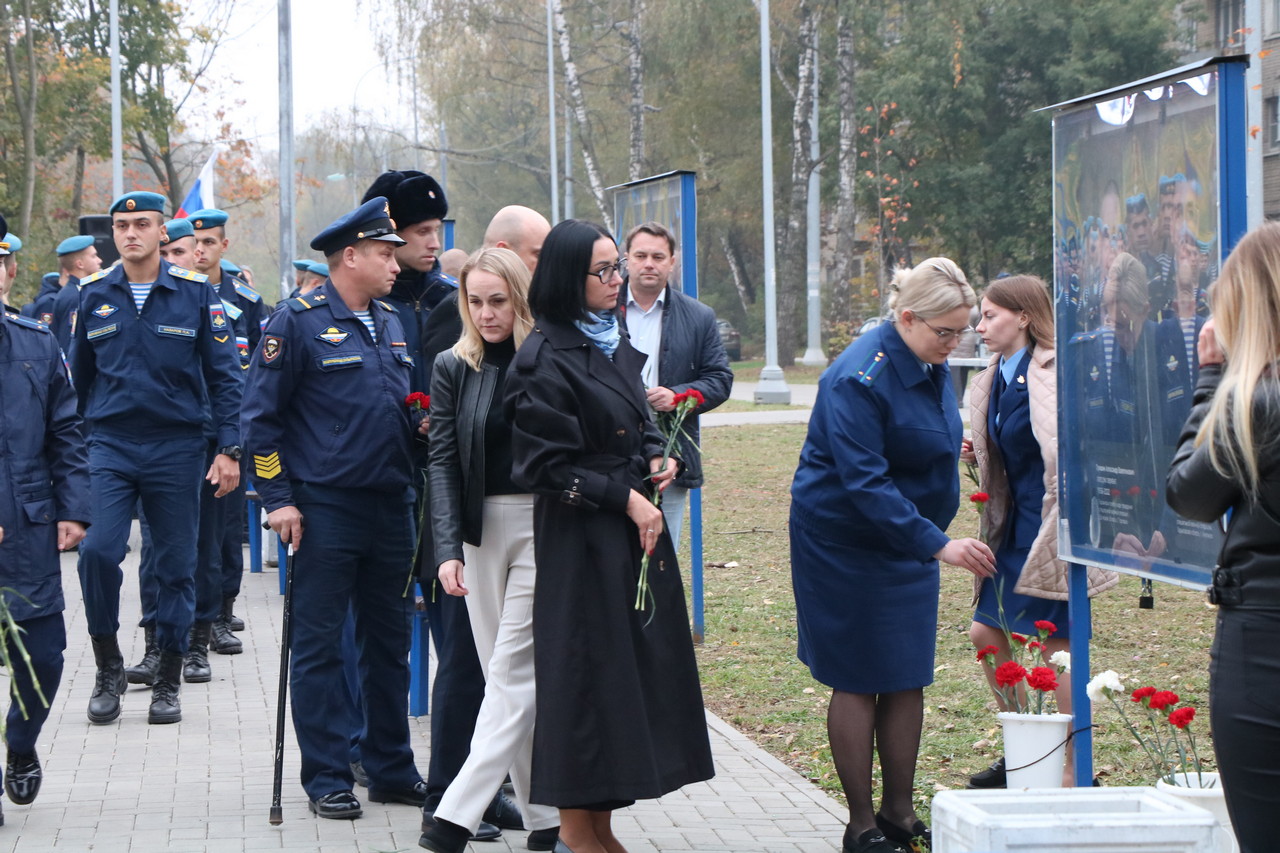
x,y
1218,467
876,488
1015,444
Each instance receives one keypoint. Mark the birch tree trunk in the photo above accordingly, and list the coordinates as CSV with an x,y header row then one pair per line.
x,y
25,98
746,293
791,273
573,86
635,68
846,219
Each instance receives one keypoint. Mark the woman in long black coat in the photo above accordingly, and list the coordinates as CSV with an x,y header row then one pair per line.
x,y
619,707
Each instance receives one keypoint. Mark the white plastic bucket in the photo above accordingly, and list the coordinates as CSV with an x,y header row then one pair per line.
x,y
1035,748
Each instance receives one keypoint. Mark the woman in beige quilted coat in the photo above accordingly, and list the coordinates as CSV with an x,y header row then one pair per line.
x,y
1014,417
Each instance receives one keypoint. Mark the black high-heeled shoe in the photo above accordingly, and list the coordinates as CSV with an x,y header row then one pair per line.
x,y
871,841
917,839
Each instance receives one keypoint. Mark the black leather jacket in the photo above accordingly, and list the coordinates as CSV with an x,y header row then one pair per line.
x,y
1248,571
460,399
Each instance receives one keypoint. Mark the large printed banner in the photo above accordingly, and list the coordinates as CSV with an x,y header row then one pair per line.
x,y
671,199
1136,235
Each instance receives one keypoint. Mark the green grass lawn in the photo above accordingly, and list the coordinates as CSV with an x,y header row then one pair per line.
x,y
752,679
731,406
749,371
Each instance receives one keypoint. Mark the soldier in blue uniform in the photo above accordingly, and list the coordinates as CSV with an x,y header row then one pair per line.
x,y
77,259
248,314
151,349
44,510
329,436
9,260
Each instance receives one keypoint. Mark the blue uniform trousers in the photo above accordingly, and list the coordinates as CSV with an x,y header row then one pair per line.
x,y
45,638
232,544
354,558
208,578
166,475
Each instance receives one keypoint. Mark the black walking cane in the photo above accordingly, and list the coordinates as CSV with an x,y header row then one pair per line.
x,y
277,817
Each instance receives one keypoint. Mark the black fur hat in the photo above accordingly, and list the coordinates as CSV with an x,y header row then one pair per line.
x,y
414,196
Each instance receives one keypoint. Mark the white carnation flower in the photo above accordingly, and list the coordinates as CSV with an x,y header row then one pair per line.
x,y
1104,683
1062,660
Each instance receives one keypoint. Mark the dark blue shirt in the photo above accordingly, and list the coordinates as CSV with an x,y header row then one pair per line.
x,y
878,468
249,314
147,375
325,401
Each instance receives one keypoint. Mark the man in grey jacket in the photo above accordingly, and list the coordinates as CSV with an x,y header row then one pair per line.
x,y
679,335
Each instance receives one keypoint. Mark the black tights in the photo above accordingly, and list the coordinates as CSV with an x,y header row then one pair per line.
x,y
888,723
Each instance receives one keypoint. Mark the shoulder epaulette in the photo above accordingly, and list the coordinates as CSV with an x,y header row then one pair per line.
x,y
247,292
189,275
89,279
871,368
232,311
1082,337
388,306
26,321
310,300
448,279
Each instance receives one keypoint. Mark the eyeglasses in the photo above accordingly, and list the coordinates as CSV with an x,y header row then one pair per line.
x,y
605,274
946,334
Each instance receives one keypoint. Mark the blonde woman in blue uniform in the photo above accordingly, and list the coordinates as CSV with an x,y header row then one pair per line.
x,y
875,491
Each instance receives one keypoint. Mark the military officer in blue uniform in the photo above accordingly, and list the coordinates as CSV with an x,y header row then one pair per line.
x,y
152,346
329,438
248,314
44,509
77,259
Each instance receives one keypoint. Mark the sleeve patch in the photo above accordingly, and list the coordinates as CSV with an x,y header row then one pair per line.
x,y
272,347
267,467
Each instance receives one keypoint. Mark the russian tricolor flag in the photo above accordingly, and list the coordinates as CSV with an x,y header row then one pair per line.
x,y
201,194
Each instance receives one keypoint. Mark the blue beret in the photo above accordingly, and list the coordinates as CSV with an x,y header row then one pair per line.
x,y
301,264
369,221
318,268
134,202
14,241
177,229
230,267
78,243
208,217
414,196
4,244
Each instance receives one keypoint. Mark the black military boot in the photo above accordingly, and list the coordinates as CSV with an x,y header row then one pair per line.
x,y
145,671
224,642
165,704
234,622
110,684
195,666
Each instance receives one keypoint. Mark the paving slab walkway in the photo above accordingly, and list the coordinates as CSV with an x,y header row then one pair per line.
x,y
205,784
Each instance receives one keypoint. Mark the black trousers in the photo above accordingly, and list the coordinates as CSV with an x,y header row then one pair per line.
x,y
1244,702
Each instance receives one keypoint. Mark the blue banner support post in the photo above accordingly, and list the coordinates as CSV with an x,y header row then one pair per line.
x,y
1080,617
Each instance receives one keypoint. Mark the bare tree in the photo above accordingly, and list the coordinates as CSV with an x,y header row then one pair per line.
x,y
578,103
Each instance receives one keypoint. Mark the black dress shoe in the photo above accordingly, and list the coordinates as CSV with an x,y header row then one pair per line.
x,y
485,832
504,813
543,839
22,778
357,772
992,777
445,837
415,796
871,841
917,838
340,805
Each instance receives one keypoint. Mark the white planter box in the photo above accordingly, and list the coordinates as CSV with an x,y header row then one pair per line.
x,y
1072,820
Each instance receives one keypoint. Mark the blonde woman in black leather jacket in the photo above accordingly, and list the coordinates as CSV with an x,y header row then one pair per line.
x,y
1228,458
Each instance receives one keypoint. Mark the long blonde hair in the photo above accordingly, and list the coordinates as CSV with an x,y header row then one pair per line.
x,y
506,265
1246,312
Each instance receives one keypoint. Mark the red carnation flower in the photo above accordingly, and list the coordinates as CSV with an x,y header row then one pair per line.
x,y
1043,678
1115,493
1018,638
1162,699
1010,673
1134,491
1046,626
989,650
1143,693
1035,645
696,396
979,497
1153,493
418,400
1182,717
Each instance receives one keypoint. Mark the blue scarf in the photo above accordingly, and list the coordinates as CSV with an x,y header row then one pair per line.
x,y
603,332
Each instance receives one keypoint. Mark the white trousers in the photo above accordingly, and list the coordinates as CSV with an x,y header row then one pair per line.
x,y
499,578
674,501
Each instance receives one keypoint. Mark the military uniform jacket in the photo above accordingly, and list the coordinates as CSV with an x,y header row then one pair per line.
x,y
44,468
149,375
325,402
247,312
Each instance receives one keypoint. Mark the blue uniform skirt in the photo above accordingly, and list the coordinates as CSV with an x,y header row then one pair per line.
x,y
867,620
1020,611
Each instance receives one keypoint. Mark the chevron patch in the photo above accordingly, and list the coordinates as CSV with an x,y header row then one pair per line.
x,y
267,467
